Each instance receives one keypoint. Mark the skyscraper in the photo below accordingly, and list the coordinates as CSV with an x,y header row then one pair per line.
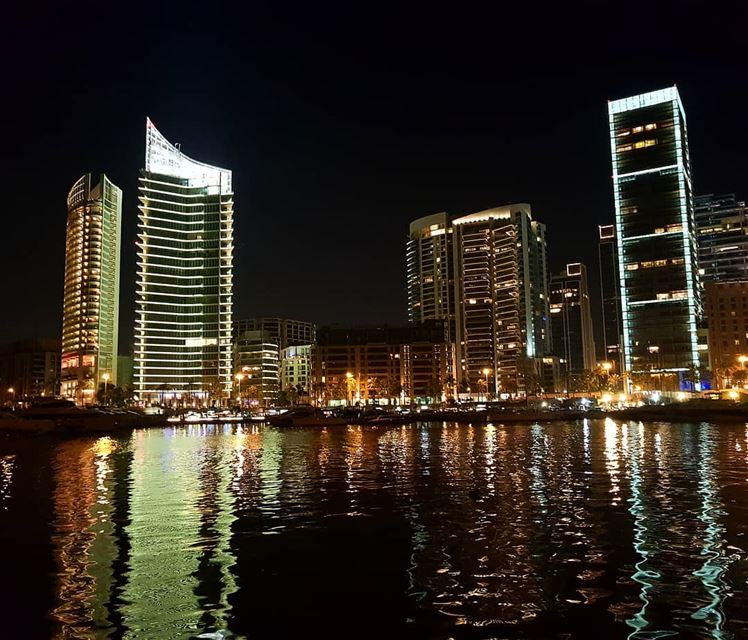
x,y
610,296
430,271
722,236
184,276
571,318
90,319
501,295
657,256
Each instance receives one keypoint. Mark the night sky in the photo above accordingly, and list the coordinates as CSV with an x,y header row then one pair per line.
x,y
341,125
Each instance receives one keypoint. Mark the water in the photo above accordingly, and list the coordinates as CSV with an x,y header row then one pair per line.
x,y
590,529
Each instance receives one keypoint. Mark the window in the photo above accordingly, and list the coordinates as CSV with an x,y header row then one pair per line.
x,y
623,148
644,143
650,126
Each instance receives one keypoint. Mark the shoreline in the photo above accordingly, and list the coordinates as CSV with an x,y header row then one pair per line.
x,y
676,413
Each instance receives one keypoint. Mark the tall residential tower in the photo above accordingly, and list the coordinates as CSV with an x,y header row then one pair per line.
x,y
91,294
657,256
184,277
501,293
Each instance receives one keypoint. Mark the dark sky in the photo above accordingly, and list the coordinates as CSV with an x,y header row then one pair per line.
x,y
341,125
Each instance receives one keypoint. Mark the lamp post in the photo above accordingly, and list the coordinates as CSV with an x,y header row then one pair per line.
x,y
239,377
12,393
486,371
348,390
742,360
106,377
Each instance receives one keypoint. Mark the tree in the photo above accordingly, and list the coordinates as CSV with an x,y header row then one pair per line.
x,y
434,389
393,388
528,371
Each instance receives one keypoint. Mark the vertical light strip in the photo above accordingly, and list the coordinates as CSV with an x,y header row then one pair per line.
x,y
619,244
687,230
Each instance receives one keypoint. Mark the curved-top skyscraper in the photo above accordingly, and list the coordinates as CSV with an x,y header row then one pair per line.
x,y
184,277
91,296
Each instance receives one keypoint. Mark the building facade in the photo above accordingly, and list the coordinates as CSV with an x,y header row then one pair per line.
x,y
430,271
383,364
29,369
726,306
184,277
296,368
284,331
656,234
610,298
571,318
722,235
90,312
256,368
501,293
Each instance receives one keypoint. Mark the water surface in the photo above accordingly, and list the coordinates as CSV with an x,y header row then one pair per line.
x,y
589,529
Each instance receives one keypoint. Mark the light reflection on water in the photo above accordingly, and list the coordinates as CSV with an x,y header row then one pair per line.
x,y
635,530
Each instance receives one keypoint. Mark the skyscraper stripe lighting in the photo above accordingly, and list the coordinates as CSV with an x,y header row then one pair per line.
x,y
184,277
656,231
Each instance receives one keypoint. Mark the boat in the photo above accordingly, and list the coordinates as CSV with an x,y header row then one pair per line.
x,y
306,417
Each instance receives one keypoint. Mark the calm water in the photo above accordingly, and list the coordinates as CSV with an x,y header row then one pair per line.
x,y
585,529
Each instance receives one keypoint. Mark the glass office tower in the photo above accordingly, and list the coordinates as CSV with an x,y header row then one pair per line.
x,y
184,277
655,227
91,293
571,318
610,296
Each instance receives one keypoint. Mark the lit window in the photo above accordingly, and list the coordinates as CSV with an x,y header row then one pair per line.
x,y
625,132
625,147
650,126
638,129
632,267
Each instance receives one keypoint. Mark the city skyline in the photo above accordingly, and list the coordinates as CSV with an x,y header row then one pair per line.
x,y
358,151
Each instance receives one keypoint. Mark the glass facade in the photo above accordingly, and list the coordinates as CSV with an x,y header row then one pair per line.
x,y
571,318
610,296
722,234
183,345
91,292
657,257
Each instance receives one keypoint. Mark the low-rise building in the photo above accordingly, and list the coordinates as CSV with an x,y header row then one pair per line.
x,y
29,368
256,368
726,306
296,369
387,365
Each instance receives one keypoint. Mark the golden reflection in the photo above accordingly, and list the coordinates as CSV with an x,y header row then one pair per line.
x,y
7,464
612,459
81,539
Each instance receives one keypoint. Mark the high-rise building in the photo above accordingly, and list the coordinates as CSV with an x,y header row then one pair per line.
x,y
501,294
722,235
90,316
285,332
430,271
571,318
183,342
656,233
610,297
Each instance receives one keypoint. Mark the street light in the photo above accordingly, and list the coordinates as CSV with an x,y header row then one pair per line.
x,y
239,377
106,383
12,393
486,371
